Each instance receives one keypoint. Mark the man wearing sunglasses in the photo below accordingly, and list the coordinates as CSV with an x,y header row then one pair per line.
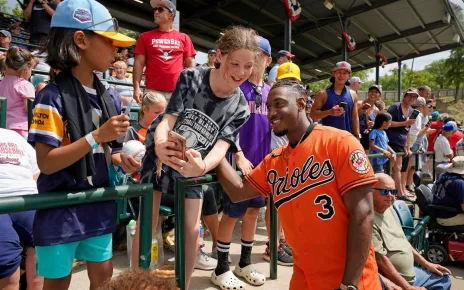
x,y
394,254
163,51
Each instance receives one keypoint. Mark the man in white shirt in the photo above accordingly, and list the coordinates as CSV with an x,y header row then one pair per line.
x,y
18,175
442,148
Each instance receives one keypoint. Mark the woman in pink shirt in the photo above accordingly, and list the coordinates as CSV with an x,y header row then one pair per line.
x,y
17,89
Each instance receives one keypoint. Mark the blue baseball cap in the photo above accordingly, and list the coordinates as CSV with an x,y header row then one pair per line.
x,y
285,53
435,114
264,45
450,126
89,15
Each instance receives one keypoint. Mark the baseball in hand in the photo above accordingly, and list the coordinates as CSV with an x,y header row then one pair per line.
x,y
135,149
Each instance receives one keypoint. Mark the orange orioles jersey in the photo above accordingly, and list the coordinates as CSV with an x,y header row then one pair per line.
x,y
308,184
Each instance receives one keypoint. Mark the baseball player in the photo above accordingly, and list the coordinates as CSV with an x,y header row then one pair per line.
x,y
322,188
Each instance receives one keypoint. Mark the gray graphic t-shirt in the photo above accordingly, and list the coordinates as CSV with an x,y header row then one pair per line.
x,y
204,118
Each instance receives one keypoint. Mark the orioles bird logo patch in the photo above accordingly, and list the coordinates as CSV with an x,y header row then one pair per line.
x,y
359,162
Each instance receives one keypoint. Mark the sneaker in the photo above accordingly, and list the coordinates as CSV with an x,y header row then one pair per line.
x,y
205,262
410,188
283,258
286,247
214,254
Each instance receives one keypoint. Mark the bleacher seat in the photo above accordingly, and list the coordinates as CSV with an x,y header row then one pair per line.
x,y
36,79
415,234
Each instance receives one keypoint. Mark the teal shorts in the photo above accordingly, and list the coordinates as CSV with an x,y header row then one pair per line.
x,y
54,262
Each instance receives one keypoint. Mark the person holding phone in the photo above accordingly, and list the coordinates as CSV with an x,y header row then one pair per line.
x,y
336,105
367,111
398,135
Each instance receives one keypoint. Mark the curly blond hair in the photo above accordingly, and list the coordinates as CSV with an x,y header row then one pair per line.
x,y
139,279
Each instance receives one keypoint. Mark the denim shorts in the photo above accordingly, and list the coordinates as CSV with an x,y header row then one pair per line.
x,y
379,167
15,233
54,262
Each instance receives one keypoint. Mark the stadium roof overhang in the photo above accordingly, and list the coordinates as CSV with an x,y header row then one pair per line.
x,y
402,29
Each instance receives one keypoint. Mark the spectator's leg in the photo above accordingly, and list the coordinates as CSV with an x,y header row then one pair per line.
x,y
22,223
431,281
248,230
34,281
404,173
411,170
135,241
210,212
97,251
396,173
192,234
11,282
10,254
212,223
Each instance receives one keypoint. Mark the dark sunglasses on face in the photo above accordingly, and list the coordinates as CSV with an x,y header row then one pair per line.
x,y
384,191
159,9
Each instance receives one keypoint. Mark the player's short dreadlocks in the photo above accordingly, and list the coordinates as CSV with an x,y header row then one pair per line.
x,y
292,86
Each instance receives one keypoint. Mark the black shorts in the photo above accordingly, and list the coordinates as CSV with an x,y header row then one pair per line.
x,y
209,199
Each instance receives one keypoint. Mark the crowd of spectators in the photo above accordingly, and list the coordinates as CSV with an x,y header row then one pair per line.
x,y
410,126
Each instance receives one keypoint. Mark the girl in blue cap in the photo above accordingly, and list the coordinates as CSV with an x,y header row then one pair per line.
x,y
77,129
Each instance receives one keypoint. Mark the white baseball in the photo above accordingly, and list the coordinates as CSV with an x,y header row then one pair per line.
x,y
135,149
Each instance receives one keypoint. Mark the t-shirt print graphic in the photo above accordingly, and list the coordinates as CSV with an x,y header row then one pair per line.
x,y
166,46
199,129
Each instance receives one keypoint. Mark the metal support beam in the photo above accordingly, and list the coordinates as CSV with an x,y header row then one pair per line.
x,y
331,19
288,35
377,63
400,80
211,9
384,39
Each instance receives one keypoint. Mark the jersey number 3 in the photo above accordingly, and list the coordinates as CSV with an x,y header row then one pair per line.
x,y
328,210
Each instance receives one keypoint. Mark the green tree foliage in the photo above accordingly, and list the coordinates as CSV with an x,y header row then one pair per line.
x,y
18,11
3,5
455,73
438,70
129,32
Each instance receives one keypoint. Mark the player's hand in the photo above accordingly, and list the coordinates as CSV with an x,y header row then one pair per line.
x,y
164,150
437,269
114,128
336,111
129,164
243,164
138,95
193,167
409,122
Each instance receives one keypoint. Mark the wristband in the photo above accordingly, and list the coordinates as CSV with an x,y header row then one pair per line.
x,y
93,144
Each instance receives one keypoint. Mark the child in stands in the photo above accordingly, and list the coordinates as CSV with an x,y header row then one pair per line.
x,y
208,108
378,142
77,130
153,104
17,89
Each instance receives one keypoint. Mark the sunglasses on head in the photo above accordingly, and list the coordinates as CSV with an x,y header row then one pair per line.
x,y
160,9
384,191
112,28
259,96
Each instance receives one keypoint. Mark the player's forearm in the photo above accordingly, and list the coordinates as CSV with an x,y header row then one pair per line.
x,y
387,269
235,187
358,244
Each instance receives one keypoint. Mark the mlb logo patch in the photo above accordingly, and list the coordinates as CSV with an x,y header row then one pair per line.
x,y
82,15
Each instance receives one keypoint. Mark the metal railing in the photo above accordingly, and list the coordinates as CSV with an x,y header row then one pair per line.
x,y
9,204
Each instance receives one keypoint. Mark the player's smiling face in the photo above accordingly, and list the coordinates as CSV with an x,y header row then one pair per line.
x,y
283,109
